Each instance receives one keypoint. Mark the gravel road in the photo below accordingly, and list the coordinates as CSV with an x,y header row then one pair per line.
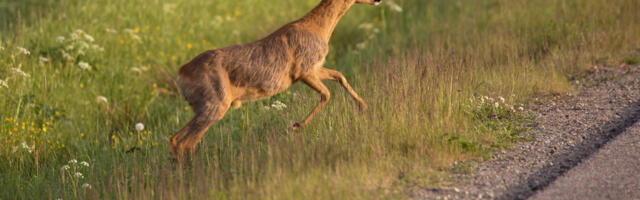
x,y
569,130
613,172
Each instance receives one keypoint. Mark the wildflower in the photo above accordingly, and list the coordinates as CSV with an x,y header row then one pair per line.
x,y
84,163
110,30
267,107
3,83
66,55
278,105
86,186
139,126
44,59
73,161
520,108
84,65
23,50
78,175
366,26
102,99
88,37
74,36
394,6
25,146
60,39
496,105
65,167
361,45
20,72
501,99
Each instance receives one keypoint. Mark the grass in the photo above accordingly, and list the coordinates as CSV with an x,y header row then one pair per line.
x,y
424,71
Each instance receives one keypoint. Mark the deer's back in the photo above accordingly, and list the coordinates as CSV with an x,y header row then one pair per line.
x,y
266,66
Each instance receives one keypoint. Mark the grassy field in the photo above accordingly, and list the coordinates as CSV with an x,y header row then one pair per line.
x,y
447,82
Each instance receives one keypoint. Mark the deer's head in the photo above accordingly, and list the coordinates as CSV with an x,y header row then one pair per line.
x,y
372,2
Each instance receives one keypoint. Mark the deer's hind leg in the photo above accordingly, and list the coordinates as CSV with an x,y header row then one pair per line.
x,y
329,74
210,101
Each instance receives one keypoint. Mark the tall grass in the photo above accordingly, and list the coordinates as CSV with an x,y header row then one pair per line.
x,y
424,71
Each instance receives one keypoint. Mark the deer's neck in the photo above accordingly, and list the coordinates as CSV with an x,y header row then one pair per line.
x,y
324,17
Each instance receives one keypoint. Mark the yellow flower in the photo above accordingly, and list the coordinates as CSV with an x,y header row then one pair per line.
x,y
188,45
81,134
155,85
44,129
81,85
136,30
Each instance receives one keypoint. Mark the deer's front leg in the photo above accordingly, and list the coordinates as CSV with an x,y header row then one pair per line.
x,y
329,74
315,83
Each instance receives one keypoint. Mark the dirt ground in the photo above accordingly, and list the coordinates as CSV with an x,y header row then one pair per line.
x,y
568,129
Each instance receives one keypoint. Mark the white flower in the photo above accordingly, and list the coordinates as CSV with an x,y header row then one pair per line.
x,y
73,161
23,50
366,26
361,45
84,163
88,37
60,39
278,105
74,36
3,83
136,37
86,186
267,108
25,146
496,105
110,30
101,99
394,6
44,59
84,65
128,30
78,175
139,126
20,72
501,99
521,108
65,167
66,55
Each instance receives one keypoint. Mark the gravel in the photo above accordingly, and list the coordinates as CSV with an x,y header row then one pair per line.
x,y
568,130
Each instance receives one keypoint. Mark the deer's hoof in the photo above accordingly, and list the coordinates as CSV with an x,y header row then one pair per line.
x,y
295,127
362,108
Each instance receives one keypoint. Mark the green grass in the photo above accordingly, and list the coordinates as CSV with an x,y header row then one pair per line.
x,y
424,73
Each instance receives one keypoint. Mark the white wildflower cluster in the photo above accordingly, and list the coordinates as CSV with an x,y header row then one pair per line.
x,y
393,6
24,51
78,44
140,69
74,170
219,20
24,146
277,105
132,33
499,102
19,72
370,31
3,83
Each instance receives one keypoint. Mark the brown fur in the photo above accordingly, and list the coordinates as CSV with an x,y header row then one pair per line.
x,y
218,79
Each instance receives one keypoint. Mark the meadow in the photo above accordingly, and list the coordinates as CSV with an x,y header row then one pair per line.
x,y
447,83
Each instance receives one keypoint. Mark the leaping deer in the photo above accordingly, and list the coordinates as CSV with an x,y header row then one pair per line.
x,y
218,79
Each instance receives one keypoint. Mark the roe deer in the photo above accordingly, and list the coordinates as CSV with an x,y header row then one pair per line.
x,y
218,79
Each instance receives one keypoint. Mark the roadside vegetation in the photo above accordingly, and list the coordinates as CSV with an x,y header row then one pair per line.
x,y
88,100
